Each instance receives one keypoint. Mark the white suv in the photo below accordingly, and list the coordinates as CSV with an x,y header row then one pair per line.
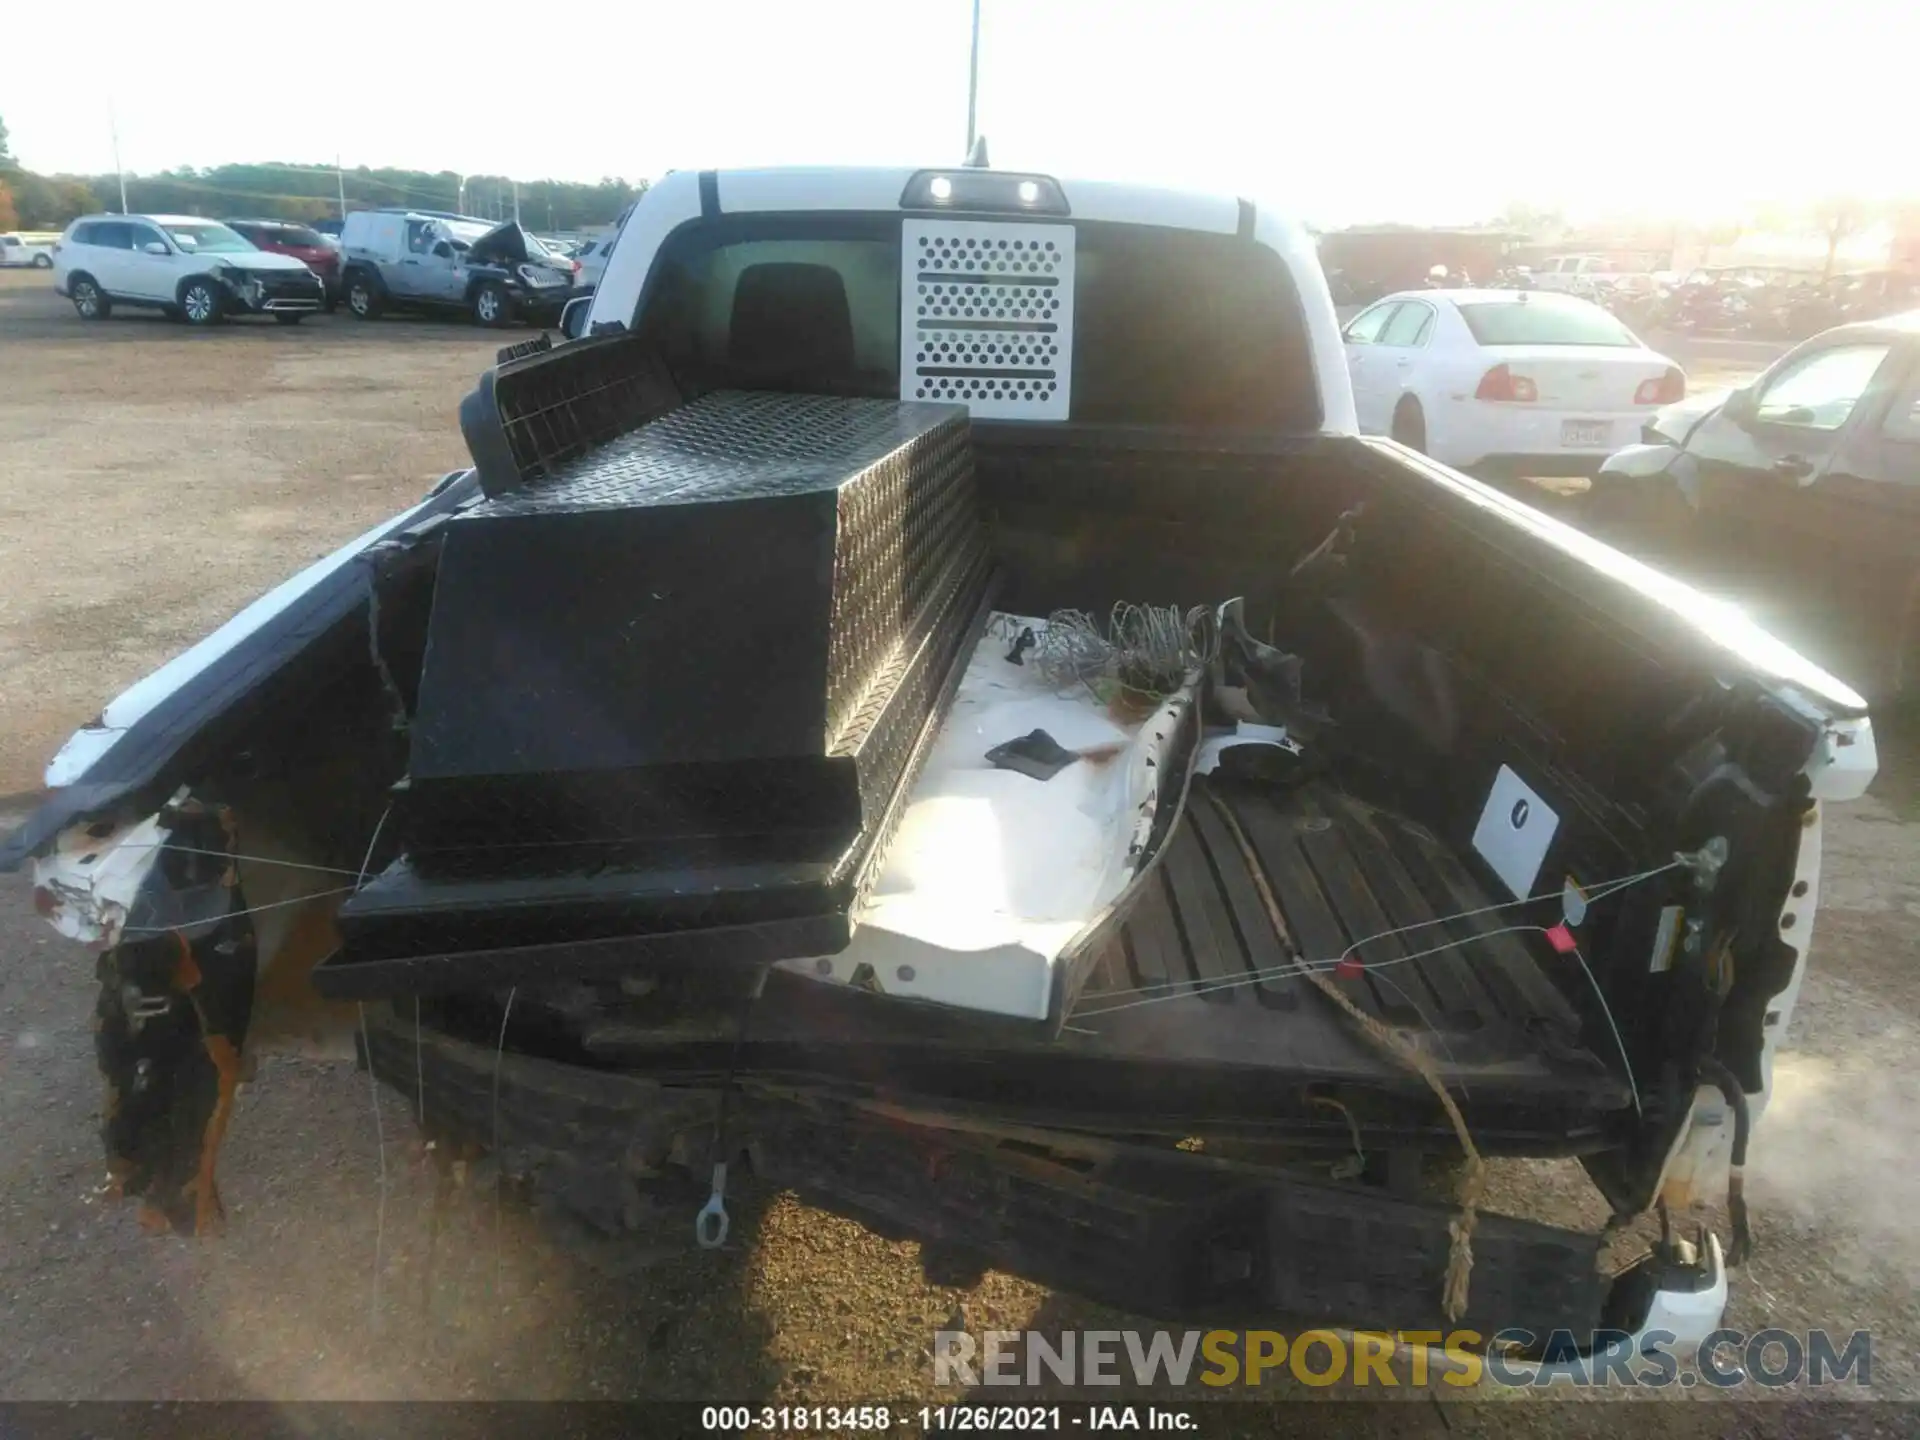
x,y
195,269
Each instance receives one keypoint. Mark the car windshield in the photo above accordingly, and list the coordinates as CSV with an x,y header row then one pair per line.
x,y
1533,322
292,235
204,237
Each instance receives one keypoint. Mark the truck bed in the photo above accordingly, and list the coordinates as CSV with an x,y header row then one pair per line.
x,y
1342,872
1230,1037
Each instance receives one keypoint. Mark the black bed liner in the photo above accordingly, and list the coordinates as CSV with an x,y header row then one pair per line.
x,y
1342,872
1252,1055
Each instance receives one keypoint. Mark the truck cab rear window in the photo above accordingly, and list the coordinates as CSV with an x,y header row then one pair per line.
x,y
1173,328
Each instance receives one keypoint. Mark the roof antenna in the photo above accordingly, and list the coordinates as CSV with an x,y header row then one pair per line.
x,y
977,156
973,90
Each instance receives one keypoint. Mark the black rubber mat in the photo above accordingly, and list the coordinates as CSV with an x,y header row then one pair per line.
x,y
1349,879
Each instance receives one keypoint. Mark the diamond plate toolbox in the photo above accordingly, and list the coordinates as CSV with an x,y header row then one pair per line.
x,y
681,681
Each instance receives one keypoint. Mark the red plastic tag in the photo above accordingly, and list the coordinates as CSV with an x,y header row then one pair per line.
x,y
1348,967
1561,938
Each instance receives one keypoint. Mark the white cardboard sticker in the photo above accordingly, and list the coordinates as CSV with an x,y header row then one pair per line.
x,y
1515,829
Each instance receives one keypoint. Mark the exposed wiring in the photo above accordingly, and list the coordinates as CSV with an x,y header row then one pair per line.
x,y
419,1066
1280,972
1178,988
229,855
1353,1128
380,1143
367,859
710,1225
499,1051
1735,1094
249,910
396,702
1142,650
1607,1010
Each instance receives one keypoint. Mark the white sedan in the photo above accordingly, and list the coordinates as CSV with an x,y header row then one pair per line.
x,y
1520,381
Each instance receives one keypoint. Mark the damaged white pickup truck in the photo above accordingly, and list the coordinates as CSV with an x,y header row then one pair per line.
x,y
924,695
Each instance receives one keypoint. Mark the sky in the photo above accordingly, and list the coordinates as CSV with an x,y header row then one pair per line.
x,y
1338,111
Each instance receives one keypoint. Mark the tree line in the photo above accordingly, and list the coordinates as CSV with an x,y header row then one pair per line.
x,y
284,191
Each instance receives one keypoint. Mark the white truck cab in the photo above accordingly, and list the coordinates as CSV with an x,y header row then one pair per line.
x,y
718,223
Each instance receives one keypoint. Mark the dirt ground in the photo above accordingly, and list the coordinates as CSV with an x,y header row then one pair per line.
x,y
152,481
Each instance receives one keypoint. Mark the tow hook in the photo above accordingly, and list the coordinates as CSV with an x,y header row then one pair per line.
x,y
710,1225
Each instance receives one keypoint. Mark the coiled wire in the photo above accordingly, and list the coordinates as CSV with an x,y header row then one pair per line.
x,y
1143,652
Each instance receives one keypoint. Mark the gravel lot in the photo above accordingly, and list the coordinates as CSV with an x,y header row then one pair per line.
x,y
155,480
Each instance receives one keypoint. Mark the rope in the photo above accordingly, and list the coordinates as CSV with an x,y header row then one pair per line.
x,y
1473,1183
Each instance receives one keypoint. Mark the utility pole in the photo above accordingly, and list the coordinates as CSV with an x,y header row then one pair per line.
x,y
341,176
113,128
516,202
973,78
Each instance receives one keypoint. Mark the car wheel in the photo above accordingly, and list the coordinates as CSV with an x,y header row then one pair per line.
x,y
289,317
1410,424
43,262
88,298
363,298
200,302
490,304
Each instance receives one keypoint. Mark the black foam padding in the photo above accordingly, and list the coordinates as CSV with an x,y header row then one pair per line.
x,y
538,411
1036,754
682,681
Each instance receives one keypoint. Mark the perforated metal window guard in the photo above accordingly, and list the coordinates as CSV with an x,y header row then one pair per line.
x,y
986,312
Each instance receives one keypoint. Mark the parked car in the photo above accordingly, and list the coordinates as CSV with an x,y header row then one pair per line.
x,y
1797,495
592,259
423,260
593,254
1875,294
1511,381
1572,273
302,242
561,795
193,269
34,250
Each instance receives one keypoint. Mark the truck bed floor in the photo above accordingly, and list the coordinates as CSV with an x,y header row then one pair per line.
x,y
1200,950
1229,1033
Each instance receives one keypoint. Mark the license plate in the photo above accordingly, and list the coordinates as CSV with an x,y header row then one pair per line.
x,y
1585,434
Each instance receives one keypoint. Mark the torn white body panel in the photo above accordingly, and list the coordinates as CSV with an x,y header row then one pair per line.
x,y
992,873
86,887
